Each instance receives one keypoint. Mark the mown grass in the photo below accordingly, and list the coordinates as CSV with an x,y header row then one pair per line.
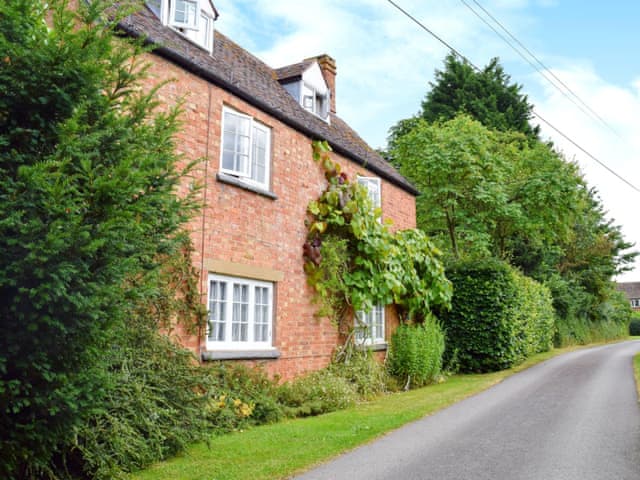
x,y
277,451
636,368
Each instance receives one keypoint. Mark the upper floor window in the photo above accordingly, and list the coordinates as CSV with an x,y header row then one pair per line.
x,y
240,313
370,325
185,13
246,147
314,100
372,184
193,19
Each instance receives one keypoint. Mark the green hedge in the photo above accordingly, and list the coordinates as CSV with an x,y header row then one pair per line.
x,y
498,316
536,308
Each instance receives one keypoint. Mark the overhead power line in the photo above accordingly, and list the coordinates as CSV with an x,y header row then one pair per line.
x,y
541,68
556,129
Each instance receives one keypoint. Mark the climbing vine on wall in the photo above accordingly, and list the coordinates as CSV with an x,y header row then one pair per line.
x,y
353,261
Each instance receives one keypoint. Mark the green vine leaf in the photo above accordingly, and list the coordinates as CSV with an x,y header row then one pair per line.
x,y
354,262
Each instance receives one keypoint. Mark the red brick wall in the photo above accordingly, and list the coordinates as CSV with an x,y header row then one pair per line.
x,y
240,226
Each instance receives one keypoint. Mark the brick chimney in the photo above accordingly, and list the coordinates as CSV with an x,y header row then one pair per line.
x,y
328,67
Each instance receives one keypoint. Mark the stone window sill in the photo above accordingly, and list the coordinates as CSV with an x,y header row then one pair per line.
x,y
374,347
237,182
240,355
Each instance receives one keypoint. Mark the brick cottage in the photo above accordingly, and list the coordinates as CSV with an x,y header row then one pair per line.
x,y
253,126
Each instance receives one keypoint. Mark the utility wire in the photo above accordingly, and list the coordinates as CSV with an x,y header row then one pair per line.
x,y
589,111
556,129
504,39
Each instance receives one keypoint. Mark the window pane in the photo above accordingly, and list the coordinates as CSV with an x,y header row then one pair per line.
x,y
259,155
185,12
370,326
378,333
261,314
240,319
236,143
362,327
217,301
205,25
373,189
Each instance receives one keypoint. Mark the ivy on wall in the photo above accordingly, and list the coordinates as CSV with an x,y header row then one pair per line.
x,y
353,261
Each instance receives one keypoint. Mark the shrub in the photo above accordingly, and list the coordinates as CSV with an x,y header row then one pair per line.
x,y
153,407
634,326
361,369
415,354
498,316
604,319
319,392
234,385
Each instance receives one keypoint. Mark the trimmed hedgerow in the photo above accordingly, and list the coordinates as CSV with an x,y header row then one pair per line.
x,y
536,308
415,353
498,316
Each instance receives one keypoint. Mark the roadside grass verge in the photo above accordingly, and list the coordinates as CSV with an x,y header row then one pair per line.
x,y
636,367
279,450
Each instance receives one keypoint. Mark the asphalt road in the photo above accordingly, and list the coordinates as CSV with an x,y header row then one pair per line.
x,y
575,417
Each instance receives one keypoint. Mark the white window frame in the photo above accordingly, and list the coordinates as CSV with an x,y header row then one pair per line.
x,y
227,306
321,110
205,31
186,25
374,189
247,174
367,331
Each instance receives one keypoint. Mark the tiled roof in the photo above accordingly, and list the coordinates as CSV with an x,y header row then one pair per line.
x,y
292,71
631,289
237,71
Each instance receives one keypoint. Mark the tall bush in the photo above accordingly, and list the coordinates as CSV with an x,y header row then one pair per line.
x,y
415,353
87,215
634,325
155,405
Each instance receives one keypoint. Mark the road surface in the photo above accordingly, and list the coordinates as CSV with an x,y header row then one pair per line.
x,y
575,417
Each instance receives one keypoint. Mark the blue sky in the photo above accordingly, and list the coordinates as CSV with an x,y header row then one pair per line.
x,y
385,63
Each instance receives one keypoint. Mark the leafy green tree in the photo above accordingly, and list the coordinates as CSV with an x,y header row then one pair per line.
x,y
87,212
488,96
490,187
464,172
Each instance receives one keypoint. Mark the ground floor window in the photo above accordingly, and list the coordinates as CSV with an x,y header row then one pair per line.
x,y
370,325
240,313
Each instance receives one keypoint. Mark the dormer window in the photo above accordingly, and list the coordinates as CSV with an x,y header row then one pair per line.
x,y
185,13
314,100
305,82
193,19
